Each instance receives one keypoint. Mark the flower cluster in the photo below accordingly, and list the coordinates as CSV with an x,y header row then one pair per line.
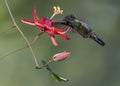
x,y
46,26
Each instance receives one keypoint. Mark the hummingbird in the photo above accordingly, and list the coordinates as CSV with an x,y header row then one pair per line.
x,y
71,23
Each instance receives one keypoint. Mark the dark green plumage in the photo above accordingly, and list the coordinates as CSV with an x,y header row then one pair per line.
x,y
71,23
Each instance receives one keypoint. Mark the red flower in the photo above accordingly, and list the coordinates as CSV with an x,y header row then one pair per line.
x,y
46,26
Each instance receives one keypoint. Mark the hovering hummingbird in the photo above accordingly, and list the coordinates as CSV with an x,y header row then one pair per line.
x,y
71,23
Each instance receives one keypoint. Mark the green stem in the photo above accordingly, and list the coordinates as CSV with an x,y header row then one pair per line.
x,y
14,22
45,65
53,16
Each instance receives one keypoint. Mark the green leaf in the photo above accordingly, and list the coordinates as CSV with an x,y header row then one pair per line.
x,y
47,67
53,75
58,78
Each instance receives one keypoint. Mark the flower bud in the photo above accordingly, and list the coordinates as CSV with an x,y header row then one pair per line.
x,y
61,56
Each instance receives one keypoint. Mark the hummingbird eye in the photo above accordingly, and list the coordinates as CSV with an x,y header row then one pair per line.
x,y
67,18
70,18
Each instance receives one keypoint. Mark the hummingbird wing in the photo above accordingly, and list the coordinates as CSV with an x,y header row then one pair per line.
x,y
62,25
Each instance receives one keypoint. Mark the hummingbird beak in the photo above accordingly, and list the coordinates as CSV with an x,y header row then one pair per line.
x,y
59,22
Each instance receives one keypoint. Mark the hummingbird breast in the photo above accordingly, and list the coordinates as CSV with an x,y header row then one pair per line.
x,y
83,29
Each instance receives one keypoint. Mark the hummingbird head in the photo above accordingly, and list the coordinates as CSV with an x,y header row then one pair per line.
x,y
69,18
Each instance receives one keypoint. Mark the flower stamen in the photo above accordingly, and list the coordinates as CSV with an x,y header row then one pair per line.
x,y
57,11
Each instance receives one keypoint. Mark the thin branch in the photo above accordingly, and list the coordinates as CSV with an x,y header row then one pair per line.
x,y
14,22
45,65
17,50
7,30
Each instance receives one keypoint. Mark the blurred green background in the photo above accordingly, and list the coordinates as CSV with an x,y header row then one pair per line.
x,y
89,63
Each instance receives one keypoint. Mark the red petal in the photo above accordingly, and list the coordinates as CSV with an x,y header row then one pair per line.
x,y
39,25
30,22
64,36
58,31
61,33
35,15
54,40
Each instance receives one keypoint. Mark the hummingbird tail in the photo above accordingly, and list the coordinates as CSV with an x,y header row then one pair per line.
x,y
97,39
